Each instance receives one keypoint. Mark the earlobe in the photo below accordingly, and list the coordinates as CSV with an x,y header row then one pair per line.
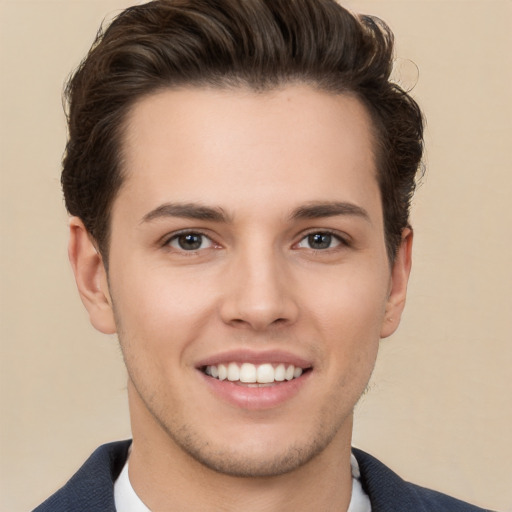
x,y
398,284
90,277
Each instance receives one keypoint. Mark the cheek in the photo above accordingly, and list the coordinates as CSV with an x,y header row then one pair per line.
x,y
349,313
159,310
353,301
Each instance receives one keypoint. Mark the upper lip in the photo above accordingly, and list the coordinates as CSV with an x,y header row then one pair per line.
x,y
255,357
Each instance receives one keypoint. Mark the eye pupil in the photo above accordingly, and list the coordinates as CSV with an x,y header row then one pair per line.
x,y
320,240
190,242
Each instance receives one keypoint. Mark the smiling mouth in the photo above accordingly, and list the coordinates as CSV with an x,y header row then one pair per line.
x,y
256,374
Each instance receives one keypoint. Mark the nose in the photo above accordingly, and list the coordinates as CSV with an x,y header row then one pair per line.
x,y
259,292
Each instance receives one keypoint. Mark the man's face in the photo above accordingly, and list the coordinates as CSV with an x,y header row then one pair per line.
x,y
248,237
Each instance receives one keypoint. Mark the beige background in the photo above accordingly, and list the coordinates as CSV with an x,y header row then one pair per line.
x,y
439,410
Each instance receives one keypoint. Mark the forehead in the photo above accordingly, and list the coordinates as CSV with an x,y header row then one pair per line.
x,y
237,146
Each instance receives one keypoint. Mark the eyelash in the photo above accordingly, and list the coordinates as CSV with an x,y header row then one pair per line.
x,y
341,241
176,236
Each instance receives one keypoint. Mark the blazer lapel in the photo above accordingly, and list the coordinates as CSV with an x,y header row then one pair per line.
x,y
387,491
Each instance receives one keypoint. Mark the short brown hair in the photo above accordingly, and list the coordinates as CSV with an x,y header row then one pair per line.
x,y
260,44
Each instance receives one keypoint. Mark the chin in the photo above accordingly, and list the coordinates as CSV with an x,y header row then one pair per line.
x,y
262,465
256,457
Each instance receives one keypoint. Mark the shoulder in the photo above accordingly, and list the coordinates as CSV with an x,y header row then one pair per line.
x,y
91,487
387,491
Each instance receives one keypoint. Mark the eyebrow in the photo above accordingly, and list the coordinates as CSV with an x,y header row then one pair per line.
x,y
321,209
186,211
314,210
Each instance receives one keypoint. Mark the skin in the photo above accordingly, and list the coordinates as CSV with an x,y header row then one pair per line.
x,y
256,283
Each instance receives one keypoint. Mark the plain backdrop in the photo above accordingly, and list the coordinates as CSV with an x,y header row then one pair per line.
x,y
439,407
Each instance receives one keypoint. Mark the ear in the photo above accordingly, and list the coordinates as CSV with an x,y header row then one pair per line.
x,y
398,284
90,277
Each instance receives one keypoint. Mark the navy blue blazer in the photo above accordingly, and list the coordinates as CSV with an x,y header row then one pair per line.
x,y
91,488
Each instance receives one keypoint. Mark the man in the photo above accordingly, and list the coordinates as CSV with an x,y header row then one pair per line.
x,y
239,175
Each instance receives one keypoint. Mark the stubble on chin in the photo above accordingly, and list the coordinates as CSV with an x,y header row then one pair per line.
x,y
257,461
257,464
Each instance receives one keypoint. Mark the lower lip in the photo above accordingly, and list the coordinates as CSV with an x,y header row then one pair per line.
x,y
256,398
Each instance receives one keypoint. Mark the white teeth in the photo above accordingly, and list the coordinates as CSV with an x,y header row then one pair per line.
x,y
249,373
279,373
223,372
265,373
233,372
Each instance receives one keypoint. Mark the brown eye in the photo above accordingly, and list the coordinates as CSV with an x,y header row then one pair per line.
x,y
190,242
